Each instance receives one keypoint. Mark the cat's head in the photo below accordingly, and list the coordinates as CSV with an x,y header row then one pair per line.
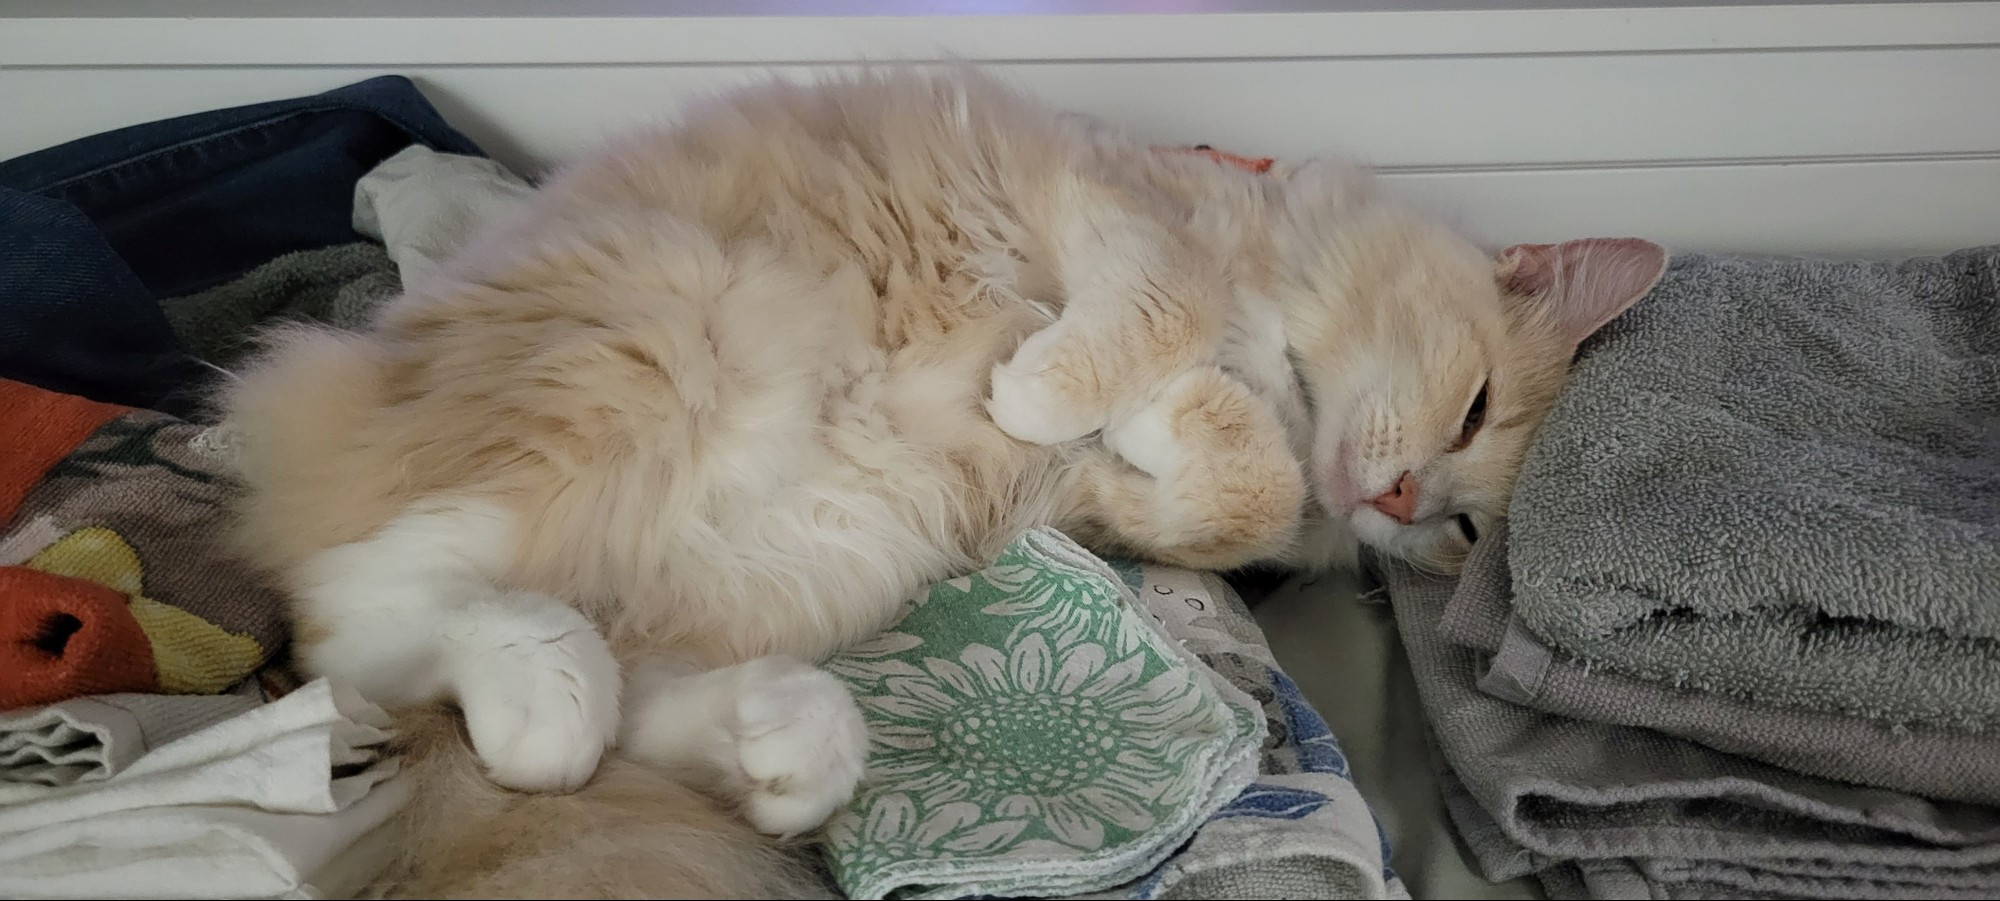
x,y
1428,366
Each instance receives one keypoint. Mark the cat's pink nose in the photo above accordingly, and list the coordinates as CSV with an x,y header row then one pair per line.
x,y
1400,501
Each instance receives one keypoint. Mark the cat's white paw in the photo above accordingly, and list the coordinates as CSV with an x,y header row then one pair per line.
x,y
539,689
1028,403
1146,438
800,745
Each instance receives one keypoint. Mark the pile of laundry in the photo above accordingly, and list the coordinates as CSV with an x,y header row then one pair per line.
x,y
153,742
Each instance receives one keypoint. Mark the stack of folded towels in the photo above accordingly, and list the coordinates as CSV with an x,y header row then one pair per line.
x,y
1742,637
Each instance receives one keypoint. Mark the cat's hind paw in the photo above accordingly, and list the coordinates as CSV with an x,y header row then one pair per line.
x,y
801,745
539,689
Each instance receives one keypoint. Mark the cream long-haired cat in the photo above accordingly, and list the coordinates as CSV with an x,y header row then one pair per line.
x,y
726,394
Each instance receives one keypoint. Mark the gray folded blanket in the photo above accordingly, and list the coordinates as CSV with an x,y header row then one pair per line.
x,y
1604,810
1518,666
1780,480
340,286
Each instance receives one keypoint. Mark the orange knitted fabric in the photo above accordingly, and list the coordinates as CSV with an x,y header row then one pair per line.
x,y
42,428
62,637
59,637
111,577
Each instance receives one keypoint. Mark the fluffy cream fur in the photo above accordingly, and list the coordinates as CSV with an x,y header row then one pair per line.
x,y
727,393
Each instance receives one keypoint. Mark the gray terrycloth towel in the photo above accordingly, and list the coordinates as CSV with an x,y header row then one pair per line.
x,y
1780,480
340,286
91,739
1581,801
1523,669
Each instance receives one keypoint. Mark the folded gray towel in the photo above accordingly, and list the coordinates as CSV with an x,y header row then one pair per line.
x,y
1586,802
1523,669
1780,480
340,286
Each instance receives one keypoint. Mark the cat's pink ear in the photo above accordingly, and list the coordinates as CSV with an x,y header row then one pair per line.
x,y
1578,286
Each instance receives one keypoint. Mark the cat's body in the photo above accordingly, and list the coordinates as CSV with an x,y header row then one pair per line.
x,y
737,389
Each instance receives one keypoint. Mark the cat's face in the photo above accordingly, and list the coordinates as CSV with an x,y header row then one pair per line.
x,y
1428,382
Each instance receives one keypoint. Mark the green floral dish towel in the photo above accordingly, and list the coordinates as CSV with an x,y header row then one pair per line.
x,y
1034,734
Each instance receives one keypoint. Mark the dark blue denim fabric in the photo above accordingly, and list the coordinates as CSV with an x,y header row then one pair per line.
x,y
94,232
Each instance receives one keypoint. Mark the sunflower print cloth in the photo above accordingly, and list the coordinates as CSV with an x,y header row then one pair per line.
x,y
1034,734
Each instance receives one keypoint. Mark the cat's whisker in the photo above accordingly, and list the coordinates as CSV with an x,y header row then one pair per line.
x,y
1436,561
225,373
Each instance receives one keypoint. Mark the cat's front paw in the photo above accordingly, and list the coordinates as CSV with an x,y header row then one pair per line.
x,y
539,689
1034,399
1147,439
800,743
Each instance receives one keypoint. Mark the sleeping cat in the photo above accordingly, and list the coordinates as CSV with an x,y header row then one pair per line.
x,y
724,395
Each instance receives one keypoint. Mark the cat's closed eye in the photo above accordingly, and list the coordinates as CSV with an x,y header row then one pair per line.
x,y
1466,527
1475,416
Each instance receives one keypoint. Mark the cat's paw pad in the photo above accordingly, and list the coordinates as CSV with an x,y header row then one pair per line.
x,y
1029,400
539,689
801,745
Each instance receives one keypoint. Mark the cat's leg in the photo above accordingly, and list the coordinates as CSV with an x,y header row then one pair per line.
x,y
1141,304
1202,477
784,738
410,615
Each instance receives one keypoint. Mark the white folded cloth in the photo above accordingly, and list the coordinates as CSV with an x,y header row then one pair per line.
x,y
424,205
91,739
289,800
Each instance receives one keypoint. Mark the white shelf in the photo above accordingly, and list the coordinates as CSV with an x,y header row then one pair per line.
x,y
1782,127
605,32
